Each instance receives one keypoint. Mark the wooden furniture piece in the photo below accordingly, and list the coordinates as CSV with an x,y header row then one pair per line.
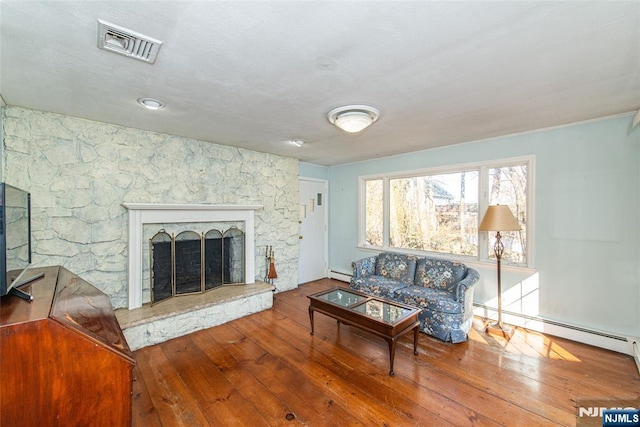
x,y
64,360
382,317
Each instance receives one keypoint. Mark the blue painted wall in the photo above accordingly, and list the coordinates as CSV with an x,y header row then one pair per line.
x,y
587,209
309,170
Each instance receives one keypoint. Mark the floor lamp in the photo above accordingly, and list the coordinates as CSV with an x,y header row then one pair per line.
x,y
499,218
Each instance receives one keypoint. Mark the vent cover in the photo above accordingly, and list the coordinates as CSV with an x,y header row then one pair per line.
x,y
126,42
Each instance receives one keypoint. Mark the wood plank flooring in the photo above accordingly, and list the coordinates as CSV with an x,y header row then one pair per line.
x,y
267,370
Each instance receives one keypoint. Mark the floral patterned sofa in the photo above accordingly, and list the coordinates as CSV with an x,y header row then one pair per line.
x,y
442,289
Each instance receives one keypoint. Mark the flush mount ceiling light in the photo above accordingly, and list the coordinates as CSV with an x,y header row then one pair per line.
x,y
151,104
297,142
353,118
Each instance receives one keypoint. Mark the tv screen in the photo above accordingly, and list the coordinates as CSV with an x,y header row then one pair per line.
x,y
15,236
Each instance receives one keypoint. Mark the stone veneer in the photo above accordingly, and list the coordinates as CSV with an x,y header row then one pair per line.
x,y
79,173
185,314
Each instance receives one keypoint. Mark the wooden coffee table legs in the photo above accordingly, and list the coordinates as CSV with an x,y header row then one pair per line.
x,y
391,340
311,318
392,347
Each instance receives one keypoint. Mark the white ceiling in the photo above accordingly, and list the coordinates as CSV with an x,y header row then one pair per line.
x,y
256,74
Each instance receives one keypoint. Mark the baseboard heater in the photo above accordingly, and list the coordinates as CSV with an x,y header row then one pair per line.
x,y
631,345
554,323
338,275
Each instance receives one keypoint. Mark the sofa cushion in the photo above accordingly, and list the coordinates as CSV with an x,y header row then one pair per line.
x,y
364,266
435,300
439,273
378,286
397,267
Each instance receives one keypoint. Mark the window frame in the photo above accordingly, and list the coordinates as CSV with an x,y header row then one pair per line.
x,y
483,202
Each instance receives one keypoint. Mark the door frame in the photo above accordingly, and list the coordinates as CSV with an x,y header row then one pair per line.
x,y
326,222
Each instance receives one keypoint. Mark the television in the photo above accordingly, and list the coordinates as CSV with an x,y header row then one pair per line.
x,y
15,241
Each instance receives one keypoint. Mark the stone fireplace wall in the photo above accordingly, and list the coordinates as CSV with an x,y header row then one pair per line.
x,y
79,173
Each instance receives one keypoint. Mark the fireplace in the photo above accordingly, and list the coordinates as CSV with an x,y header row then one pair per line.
x,y
195,262
236,220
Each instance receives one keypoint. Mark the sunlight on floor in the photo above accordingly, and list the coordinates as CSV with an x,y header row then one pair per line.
x,y
522,296
531,344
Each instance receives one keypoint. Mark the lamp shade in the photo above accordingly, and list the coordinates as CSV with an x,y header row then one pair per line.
x,y
499,218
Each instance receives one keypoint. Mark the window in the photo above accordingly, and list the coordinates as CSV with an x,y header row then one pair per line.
x,y
439,211
373,218
508,186
435,213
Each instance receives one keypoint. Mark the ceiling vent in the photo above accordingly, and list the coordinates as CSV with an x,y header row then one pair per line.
x,y
126,42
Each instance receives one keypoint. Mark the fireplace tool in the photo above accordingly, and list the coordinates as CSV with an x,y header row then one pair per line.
x,y
267,261
270,264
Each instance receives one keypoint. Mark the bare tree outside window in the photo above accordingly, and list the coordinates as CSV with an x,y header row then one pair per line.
x,y
435,213
373,212
508,186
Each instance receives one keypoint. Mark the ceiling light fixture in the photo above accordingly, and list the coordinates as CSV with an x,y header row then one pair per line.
x,y
297,142
151,104
353,118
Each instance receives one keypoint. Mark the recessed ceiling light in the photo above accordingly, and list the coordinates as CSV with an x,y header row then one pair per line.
x,y
353,118
151,104
297,142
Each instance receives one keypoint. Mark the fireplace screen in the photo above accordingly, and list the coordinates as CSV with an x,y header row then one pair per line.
x,y
192,263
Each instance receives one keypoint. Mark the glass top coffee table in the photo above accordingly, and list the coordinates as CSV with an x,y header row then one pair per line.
x,y
387,319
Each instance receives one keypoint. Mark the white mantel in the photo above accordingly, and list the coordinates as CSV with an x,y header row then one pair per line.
x,y
158,213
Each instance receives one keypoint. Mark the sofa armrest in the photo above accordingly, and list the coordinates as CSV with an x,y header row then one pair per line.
x,y
464,288
364,267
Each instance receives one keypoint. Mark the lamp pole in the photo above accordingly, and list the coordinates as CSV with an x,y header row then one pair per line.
x,y
499,218
498,248
499,328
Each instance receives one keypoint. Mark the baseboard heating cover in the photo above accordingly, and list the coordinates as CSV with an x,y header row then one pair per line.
x,y
343,277
618,343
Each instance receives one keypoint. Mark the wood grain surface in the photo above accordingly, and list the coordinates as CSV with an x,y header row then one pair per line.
x,y
267,370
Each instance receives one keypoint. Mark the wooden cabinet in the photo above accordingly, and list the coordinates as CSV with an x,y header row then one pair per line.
x,y
64,360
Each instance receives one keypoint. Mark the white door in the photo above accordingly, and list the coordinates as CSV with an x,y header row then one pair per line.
x,y
312,261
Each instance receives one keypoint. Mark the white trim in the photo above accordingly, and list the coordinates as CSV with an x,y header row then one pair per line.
x,y
152,213
361,224
531,211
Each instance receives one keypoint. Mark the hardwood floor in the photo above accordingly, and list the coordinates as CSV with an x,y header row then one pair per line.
x,y
267,370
